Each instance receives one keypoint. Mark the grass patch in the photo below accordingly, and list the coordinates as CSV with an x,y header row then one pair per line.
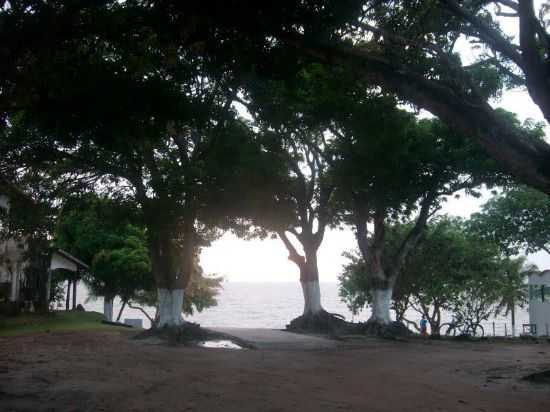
x,y
29,323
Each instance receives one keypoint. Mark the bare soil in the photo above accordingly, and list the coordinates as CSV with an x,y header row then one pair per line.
x,y
108,371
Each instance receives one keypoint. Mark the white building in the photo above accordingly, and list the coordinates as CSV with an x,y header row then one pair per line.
x,y
13,261
539,303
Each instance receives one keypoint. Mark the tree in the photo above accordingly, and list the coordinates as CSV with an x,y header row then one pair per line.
x,y
109,233
406,48
122,267
450,270
163,133
518,220
391,167
299,207
411,50
513,291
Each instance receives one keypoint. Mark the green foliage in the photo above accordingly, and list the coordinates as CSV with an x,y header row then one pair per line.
x,y
451,269
389,159
109,233
122,266
518,220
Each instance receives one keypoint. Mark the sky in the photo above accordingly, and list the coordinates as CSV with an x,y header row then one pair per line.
x,y
267,260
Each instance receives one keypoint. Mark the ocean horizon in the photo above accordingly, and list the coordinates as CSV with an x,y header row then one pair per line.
x,y
250,304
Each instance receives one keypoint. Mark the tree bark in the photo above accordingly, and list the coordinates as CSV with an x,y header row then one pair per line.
x,y
120,311
381,302
309,279
108,308
172,264
309,274
170,307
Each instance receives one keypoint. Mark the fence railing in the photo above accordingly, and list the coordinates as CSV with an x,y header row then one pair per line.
x,y
505,329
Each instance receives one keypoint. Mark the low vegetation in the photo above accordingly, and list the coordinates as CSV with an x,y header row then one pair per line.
x,y
53,322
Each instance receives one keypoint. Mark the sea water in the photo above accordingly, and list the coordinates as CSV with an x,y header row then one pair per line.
x,y
272,305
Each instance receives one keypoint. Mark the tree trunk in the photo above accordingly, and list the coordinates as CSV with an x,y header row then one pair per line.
x,y
170,307
120,311
381,302
312,297
172,264
309,279
108,308
68,297
309,274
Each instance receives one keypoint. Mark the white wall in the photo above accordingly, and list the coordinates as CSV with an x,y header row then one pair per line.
x,y
539,306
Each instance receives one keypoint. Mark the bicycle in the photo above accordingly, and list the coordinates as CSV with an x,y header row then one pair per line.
x,y
462,328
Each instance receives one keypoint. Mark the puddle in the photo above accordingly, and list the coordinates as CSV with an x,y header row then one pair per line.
x,y
219,344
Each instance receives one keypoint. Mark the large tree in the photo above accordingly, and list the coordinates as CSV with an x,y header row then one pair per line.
x,y
442,274
391,167
412,49
111,236
138,114
408,48
291,117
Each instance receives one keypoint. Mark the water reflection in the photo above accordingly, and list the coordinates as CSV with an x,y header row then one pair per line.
x,y
220,344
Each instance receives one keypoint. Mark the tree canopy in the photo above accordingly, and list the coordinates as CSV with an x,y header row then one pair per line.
x,y
518,220
450,270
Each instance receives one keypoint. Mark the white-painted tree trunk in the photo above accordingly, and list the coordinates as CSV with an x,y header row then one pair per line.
x,y
170,307
312,297
108,309
381,306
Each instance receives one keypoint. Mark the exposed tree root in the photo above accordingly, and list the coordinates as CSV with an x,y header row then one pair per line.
x,y
189,334
335,325
391,330
322,322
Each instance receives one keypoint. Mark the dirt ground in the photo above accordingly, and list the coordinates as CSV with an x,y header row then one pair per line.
x,y
107,371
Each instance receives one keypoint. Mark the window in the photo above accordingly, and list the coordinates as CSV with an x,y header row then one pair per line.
x,y
537,292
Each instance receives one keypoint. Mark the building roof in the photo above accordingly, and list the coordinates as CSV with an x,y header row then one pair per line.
x,y
540,278
73,259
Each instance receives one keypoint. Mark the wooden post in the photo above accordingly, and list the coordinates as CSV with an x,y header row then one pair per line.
x,y
68,297
494,334
505,329
513,319
74,293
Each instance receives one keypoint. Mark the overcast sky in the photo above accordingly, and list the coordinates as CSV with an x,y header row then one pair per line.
x,y
266,261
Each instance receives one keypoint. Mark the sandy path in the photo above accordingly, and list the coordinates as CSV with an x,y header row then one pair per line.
x,y
105,371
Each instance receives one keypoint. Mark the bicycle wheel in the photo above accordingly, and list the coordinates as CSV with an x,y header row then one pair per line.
x,y
447,329
477,330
